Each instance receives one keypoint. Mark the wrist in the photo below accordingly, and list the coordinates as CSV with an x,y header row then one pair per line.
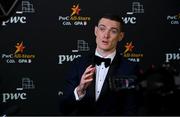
x,y
80,90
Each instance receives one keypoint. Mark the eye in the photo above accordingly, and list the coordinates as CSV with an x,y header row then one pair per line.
x,y
114,31
102,28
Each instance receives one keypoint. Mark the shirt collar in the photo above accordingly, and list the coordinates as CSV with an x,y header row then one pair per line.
x,y
111,56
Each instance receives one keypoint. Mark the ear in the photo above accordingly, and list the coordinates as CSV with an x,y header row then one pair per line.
x,y
95,30
121,36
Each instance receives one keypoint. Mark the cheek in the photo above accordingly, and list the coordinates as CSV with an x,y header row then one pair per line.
x,y
97,40
114,40
113,43
98,37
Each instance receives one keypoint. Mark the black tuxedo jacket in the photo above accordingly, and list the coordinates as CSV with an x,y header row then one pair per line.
x,y
110,102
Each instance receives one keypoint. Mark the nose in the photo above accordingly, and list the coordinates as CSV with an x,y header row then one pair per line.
x,y
107,34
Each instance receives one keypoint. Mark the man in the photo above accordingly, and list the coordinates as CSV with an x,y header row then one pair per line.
x,y
89,87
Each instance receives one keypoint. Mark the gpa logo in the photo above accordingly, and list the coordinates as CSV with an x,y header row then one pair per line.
x,y
18,56
20,15
74,19
129,54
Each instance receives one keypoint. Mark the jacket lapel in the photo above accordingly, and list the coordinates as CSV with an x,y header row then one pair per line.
x,y
91,89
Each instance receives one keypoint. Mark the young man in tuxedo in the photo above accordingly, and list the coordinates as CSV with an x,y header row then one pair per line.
x,y
88,87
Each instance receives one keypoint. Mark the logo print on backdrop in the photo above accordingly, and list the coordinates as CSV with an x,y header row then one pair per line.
x,y
18,56
174,19
129,47
74,19
137,8
128,53
75,10
19,48
27,7
7,7
172,56
20,18
82,46
27,84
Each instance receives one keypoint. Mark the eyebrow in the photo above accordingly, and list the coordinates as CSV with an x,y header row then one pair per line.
x,y
111,27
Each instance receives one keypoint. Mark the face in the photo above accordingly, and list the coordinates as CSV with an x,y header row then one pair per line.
x,y
108,34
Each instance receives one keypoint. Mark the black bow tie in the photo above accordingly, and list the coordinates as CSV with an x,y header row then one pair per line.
x,y
98,60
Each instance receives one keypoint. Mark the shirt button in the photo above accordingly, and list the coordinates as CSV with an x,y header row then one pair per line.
x,y
98,92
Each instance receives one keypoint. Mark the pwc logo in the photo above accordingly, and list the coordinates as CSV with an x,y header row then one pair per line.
x,y
21,93
130,17
21,14
174,19
82,46
7,7
172,56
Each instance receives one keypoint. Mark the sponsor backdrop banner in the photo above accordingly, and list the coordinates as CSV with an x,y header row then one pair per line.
x,y
41,38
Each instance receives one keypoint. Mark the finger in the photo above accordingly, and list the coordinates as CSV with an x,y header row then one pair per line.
x,y
88,76
89,66
90,73
89,69
93,70
88,80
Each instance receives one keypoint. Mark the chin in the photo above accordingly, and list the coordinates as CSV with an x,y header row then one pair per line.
x,y
106,49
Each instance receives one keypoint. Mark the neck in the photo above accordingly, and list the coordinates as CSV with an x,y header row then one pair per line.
x,y
104,53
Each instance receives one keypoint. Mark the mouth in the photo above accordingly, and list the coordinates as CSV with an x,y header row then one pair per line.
x,y
105,42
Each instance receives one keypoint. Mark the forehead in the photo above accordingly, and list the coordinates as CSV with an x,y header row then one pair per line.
x,y
109,23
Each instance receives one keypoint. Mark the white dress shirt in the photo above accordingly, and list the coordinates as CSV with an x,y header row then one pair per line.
x,y
101,72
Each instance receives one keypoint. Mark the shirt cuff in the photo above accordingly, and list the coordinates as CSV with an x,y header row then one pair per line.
x,y
78,98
